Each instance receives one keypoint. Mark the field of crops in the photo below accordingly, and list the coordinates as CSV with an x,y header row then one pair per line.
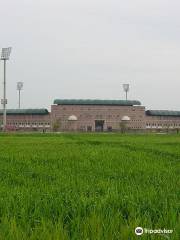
x,y
88,186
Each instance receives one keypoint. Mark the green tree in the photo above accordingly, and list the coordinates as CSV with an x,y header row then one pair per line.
x,y
123,126
56,126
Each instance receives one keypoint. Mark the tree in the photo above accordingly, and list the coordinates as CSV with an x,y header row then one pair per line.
x,y
123,126
56,126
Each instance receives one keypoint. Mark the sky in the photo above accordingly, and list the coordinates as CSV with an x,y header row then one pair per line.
x,y
89,48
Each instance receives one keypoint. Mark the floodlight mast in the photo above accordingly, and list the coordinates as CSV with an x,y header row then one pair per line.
x,y
5,54
126,89
19,88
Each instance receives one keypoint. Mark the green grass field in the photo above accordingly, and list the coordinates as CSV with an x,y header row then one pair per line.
x,y
88,186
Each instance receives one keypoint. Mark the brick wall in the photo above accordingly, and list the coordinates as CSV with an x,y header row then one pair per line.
x,y
162,122
88,114
27,122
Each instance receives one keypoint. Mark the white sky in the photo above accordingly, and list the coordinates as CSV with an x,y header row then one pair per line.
x,y
89,48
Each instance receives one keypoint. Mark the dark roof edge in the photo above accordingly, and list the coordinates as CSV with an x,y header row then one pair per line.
x,y
96,102
163,113
28,111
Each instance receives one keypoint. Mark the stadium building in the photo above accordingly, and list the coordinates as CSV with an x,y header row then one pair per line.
x,y
27,119
92,115
97,115
162,120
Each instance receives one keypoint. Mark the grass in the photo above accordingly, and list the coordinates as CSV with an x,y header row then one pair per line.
x,y
88,186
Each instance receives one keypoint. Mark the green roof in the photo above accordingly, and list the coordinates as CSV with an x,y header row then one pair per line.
x,y
163,113
96,102
41,111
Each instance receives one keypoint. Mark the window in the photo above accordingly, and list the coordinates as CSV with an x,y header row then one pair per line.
x,y
109,128
82,128
89,128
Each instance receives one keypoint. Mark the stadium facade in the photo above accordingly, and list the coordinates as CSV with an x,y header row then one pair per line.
x,y
92,115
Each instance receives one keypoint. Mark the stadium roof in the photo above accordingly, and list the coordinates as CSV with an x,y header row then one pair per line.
x,y
41,111
96,102
163,113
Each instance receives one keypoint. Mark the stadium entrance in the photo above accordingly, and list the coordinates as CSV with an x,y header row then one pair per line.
x,y
99,125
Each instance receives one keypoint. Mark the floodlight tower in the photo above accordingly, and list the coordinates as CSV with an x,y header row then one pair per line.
x,y
5,54
126,89
19,88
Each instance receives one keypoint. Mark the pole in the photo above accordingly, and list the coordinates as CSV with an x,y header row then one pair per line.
x,y
19,99
126,95
4,98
